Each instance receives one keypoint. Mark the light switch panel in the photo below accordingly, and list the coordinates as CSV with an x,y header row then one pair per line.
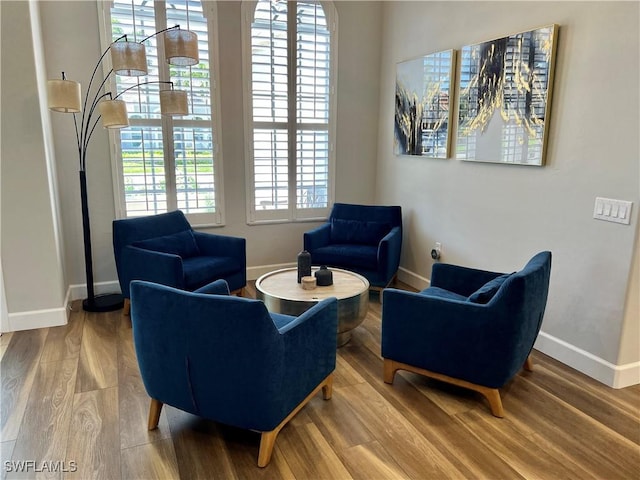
x,y
611,210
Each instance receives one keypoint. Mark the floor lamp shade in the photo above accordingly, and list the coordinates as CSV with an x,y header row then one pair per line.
x,y
129,58
173,102
181,47
63,96
114,113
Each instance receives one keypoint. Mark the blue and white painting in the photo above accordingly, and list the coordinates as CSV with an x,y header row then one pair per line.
x,y
423,105
504,98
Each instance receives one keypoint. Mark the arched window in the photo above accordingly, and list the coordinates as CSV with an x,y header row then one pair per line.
x,y
289,77
164,163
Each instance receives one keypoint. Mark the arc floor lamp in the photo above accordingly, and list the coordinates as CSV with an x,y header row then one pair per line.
x,y
127,58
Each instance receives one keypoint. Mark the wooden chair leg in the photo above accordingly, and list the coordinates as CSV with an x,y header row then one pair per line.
x,y
268,439
491,394
528,364
127,307
389,371
267,442
495,402
327,388
154,413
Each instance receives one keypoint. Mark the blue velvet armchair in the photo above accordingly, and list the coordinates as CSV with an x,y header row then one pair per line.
x,y
165,249
471,328
227,359
365,239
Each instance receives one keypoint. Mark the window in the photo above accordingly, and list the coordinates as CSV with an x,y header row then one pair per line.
x,y
164,163
289,60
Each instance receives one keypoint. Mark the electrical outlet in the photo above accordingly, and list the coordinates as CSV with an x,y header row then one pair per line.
x,y
436,251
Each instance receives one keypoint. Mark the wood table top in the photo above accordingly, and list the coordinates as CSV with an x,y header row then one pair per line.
x,y
283,284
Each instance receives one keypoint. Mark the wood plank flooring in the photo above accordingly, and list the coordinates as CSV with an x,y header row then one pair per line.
x,y
73,404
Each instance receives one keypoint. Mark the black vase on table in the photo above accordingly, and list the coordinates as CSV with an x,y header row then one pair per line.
x,y
304,265
324,276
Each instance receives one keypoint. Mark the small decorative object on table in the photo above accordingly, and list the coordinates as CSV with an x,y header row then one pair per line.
x,y
324,276
304,265
308,282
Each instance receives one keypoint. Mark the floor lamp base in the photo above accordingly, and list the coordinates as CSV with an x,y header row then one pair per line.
x,y
103,303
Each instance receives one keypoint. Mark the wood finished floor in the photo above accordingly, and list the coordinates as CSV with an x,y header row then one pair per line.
x,y
73,395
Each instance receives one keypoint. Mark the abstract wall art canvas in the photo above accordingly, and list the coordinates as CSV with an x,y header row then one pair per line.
x,y
423,117
504,93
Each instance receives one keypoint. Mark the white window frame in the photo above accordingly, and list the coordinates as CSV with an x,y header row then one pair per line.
x,y
292,213
213,219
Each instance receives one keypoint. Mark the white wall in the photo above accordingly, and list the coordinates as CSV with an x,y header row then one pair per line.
x,y
497,216
76,51
33,275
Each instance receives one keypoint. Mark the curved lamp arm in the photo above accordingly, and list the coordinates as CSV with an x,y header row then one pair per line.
x,y
159,32
143,83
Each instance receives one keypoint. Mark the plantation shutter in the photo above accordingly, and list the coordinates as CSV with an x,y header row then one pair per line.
x,y
312,106
168,162
290,88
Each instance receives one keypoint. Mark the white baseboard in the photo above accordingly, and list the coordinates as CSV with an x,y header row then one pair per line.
x,y
615,376
627,375
77,292
50,317
253,273
54,317
413,279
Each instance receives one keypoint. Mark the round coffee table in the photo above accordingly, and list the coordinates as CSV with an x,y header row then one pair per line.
x,y
281,293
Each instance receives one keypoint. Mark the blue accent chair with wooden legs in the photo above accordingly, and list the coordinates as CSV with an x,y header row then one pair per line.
x,y
471,328
366,239
227,359
165,249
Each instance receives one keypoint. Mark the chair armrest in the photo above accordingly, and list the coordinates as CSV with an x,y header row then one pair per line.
x,y
318,237
460,280
389,252
152,266
310,345
219,287
429,323
211,244
315,317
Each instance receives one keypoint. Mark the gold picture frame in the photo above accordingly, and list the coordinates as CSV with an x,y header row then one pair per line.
x,y
504,98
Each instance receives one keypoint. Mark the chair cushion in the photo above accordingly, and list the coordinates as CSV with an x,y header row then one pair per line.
x,y
182,244
359,256
442,293
357,231
485,293
199,271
